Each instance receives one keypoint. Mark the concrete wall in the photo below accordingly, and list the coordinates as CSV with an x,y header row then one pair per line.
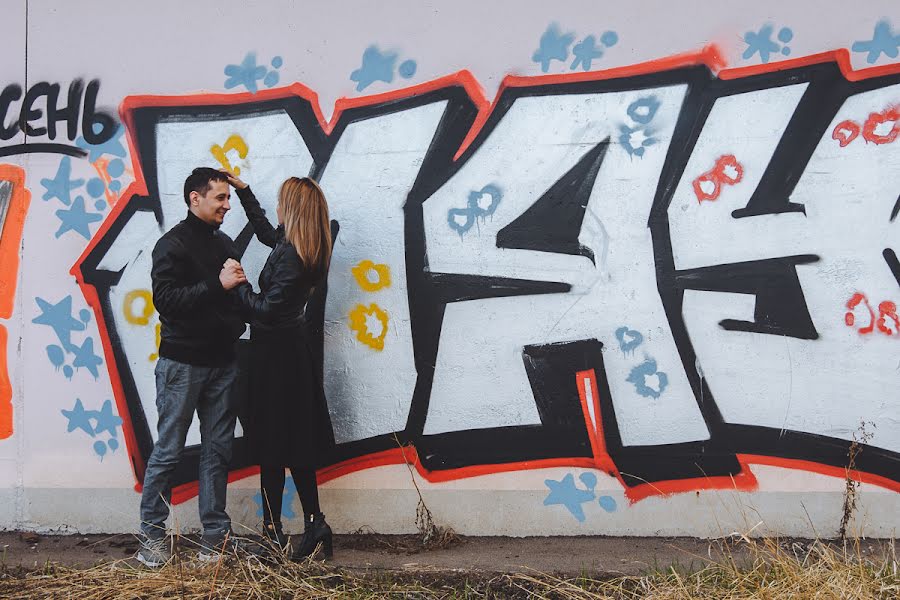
x,y
602,268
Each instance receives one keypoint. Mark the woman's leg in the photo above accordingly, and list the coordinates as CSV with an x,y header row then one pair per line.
x,y
271,483
316,532
307,489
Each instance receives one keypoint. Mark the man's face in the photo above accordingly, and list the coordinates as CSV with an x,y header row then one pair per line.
x,y
212,206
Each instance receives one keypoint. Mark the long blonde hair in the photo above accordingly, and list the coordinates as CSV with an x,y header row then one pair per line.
x,y
306,223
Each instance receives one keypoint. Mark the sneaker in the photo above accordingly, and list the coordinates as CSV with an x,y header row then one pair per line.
x,y
211,551
154,552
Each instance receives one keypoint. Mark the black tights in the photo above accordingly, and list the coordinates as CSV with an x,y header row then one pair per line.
x,y
271,482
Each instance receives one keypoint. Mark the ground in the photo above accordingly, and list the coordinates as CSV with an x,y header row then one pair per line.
x,y
593,555
381,566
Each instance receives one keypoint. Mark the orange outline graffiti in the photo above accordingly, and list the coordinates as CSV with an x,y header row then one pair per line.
x,y
10,239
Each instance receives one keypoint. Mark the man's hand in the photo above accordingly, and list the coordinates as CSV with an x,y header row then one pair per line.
x,y
232,274
233,180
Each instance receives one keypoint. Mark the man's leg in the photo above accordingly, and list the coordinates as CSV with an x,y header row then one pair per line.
x,y
217,419
178,388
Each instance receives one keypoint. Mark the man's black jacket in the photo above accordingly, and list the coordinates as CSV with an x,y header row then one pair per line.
x,y
200,320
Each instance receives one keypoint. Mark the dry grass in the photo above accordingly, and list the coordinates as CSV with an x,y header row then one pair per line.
x,y
769,569
772,571
434,536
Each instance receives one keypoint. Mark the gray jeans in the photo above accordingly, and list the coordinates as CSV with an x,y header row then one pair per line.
x,y
180,390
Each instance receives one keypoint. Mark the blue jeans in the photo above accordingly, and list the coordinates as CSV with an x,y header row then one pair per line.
x,y
180,390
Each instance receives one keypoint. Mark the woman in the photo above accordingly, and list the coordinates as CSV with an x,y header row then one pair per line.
x,y
287,400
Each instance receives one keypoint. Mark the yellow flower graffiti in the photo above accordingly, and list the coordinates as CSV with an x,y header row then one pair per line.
x,y
146,307
220,153
372,277
370,325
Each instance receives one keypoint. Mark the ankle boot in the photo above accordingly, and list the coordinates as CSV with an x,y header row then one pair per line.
x,y
315,532
275,536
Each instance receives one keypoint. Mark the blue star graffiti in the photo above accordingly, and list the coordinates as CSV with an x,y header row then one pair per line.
x,y
58,317
378,65
761,43
248,74
554,46
75,216
94,423
567,494
884,41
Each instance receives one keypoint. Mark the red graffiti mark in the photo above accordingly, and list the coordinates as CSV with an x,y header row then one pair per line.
x,y
726,171
850,318
845,132
729,170
888,309
870,133
586,382
707,187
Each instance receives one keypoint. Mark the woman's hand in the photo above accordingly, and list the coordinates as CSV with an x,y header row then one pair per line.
x,y
233,180
232,274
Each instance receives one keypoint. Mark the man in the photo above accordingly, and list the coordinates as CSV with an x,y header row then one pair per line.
x,y
197,367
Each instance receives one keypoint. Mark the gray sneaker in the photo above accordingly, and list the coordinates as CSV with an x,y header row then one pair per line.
x,y
154,553
213,551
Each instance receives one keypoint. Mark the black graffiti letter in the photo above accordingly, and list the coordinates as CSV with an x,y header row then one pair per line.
x,y
10,94
29,113
107,124
69,113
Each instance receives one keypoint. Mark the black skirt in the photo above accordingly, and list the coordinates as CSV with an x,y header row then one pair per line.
x,y
287,420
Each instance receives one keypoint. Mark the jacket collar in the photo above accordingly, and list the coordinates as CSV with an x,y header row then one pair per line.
x,y
198,226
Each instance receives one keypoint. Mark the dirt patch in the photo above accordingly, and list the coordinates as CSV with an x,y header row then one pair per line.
x,y
365,540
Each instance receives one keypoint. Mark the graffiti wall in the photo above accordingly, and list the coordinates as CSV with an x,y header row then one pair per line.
x,y
593,274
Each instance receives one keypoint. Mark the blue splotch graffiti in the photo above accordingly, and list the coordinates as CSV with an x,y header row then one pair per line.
x,y
247,73
75,216
287,500
628,339
480,205
380,66
566,493
105,421
761,42
554,45
59,318
884,41
648,381
640,136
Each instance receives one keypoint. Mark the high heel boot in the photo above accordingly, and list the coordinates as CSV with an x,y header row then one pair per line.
x,y
274,535
316,532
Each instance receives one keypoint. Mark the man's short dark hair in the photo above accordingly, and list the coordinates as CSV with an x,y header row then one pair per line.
x,y
199,181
